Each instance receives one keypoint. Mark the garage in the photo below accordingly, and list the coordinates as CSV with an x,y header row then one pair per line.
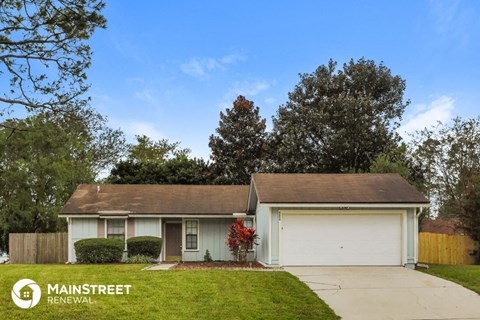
x,y
341,239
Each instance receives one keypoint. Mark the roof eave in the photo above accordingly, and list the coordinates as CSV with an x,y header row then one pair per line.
x,y
348,205
152,215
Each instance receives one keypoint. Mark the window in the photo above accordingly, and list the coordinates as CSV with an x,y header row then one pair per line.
x,y
116,229
191,241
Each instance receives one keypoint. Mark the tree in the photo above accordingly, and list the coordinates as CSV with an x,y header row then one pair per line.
x,y
239,149
383,164
154,151
468,209
448,154
159,162
44,162
398,161
43,51
338,120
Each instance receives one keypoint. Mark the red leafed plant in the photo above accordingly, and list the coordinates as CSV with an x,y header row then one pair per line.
x,y
240,240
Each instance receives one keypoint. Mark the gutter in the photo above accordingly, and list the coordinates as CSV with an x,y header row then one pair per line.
x,y
347,205
137,215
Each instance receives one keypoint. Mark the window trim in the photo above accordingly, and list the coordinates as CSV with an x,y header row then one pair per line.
x,y
184,237
126,228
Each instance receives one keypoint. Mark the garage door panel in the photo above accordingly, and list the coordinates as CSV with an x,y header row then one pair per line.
x,y
341,239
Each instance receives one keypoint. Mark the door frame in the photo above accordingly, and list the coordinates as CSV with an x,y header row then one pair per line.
x,y
180,222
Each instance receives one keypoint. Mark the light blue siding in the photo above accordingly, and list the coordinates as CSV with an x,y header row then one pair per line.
x,y
82,229
147,227
213,235
263,225
275,238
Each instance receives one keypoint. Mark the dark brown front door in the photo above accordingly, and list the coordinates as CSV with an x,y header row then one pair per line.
x,y
173,241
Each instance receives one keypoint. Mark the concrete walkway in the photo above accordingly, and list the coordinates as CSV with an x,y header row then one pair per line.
x,y
389,293
161,266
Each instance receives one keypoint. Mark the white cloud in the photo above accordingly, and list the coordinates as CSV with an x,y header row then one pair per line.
x,y
148,96
270,100
198,67
232,58
201,67
453,19
423,116
248,88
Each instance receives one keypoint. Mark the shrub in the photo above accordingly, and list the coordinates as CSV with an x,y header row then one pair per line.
x,y
140,259
145,246
99,250
240,240
207,257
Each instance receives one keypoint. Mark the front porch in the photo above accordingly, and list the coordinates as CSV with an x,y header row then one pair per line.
x,y
188,239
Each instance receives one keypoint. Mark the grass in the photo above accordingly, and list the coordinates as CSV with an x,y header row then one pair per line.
x,y
173,294
467,276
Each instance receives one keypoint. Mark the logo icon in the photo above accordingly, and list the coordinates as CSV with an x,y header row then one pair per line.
x,y
26,293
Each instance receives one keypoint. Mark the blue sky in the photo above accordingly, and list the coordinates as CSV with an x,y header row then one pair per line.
x,y
167,68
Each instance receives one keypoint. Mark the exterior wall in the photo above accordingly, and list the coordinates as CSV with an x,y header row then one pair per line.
x,y
263,227
412,244
81,228
148,227
101,228
130,228
212,235
275,238
269,231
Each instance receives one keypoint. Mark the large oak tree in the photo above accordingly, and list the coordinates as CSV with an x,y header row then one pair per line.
x,y
338,120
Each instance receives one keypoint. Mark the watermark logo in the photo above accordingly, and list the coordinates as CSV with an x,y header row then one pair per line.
x,y
26,293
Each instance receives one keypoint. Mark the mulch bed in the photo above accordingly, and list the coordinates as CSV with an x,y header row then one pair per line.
x,y
218,265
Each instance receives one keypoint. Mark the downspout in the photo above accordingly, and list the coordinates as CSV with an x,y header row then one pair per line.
x,y
417,230
69,240
420,212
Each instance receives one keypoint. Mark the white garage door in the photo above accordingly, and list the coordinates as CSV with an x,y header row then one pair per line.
x,y
341,240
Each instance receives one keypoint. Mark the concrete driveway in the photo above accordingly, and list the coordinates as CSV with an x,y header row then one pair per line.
x,y
388,293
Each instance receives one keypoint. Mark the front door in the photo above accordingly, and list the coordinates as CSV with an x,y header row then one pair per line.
x,y
173,241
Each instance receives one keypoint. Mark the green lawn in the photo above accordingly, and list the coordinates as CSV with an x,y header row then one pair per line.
x,y
467,276
178,294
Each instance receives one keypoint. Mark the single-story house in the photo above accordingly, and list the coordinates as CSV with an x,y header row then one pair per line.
x,y
301,219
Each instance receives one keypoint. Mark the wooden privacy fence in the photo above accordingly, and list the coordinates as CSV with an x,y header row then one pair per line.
x,y
439,248
38,247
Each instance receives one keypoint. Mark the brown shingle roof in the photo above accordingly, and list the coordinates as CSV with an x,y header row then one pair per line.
x,y
441,226
335,188
162,199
